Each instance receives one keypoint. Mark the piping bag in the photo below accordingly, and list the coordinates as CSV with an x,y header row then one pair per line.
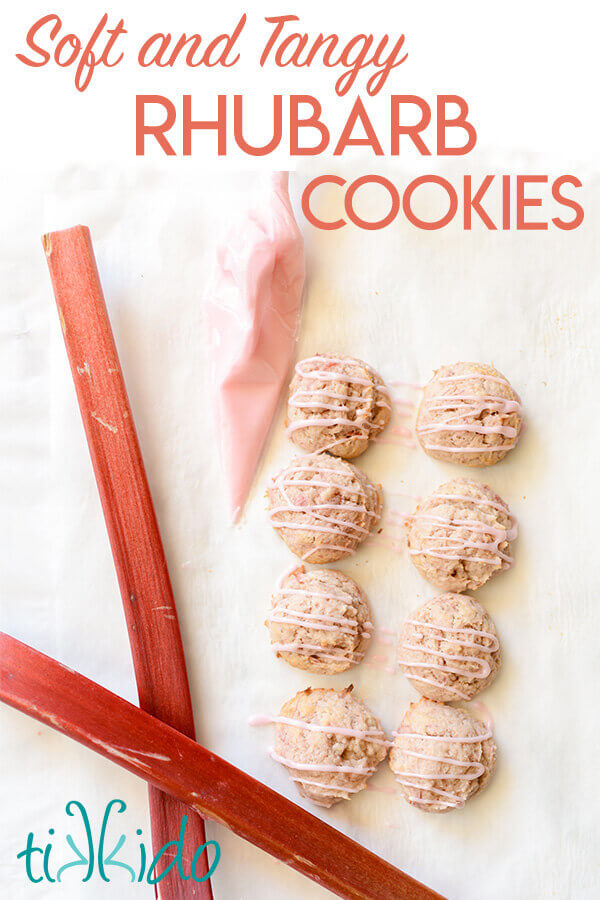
x,y
253,311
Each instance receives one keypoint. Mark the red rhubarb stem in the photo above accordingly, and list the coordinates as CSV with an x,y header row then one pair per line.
x,y
137,549
81,709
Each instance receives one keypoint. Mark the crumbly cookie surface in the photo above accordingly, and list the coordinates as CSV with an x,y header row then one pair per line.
x,y
442,756
336,403
323,507
449,649
469,414
460,535
319,621
330,742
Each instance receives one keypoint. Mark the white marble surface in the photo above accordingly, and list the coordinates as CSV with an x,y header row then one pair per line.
x,y
405,301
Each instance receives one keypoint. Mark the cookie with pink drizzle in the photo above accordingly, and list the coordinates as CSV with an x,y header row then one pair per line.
x,y
469,414
323,507
336,404
319,620
460,535
329,742
449,648
442,756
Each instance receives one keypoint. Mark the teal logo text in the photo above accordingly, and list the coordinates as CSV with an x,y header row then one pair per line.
x,y
94,858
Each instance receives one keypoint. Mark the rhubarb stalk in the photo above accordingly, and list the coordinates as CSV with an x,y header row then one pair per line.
x,y
79,708
137,549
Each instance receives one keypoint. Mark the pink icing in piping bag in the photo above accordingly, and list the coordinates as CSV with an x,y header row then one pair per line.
x,y
253,310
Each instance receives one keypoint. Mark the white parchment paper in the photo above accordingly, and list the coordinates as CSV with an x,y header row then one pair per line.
x,y
406,301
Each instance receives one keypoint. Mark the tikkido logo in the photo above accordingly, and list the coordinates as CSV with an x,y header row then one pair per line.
x,y
95,859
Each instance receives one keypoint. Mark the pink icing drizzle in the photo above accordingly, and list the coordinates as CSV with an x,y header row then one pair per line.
x,y
333,413
326,523
374,736
318,767
302,647
484,666
484,713
448,799
330,787
316,621
454,547
475,406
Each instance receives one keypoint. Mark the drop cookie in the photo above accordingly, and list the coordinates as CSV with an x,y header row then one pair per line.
x,y
449,648
319,621
323,507
441,756
336,403
460,535
329,742
469,414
